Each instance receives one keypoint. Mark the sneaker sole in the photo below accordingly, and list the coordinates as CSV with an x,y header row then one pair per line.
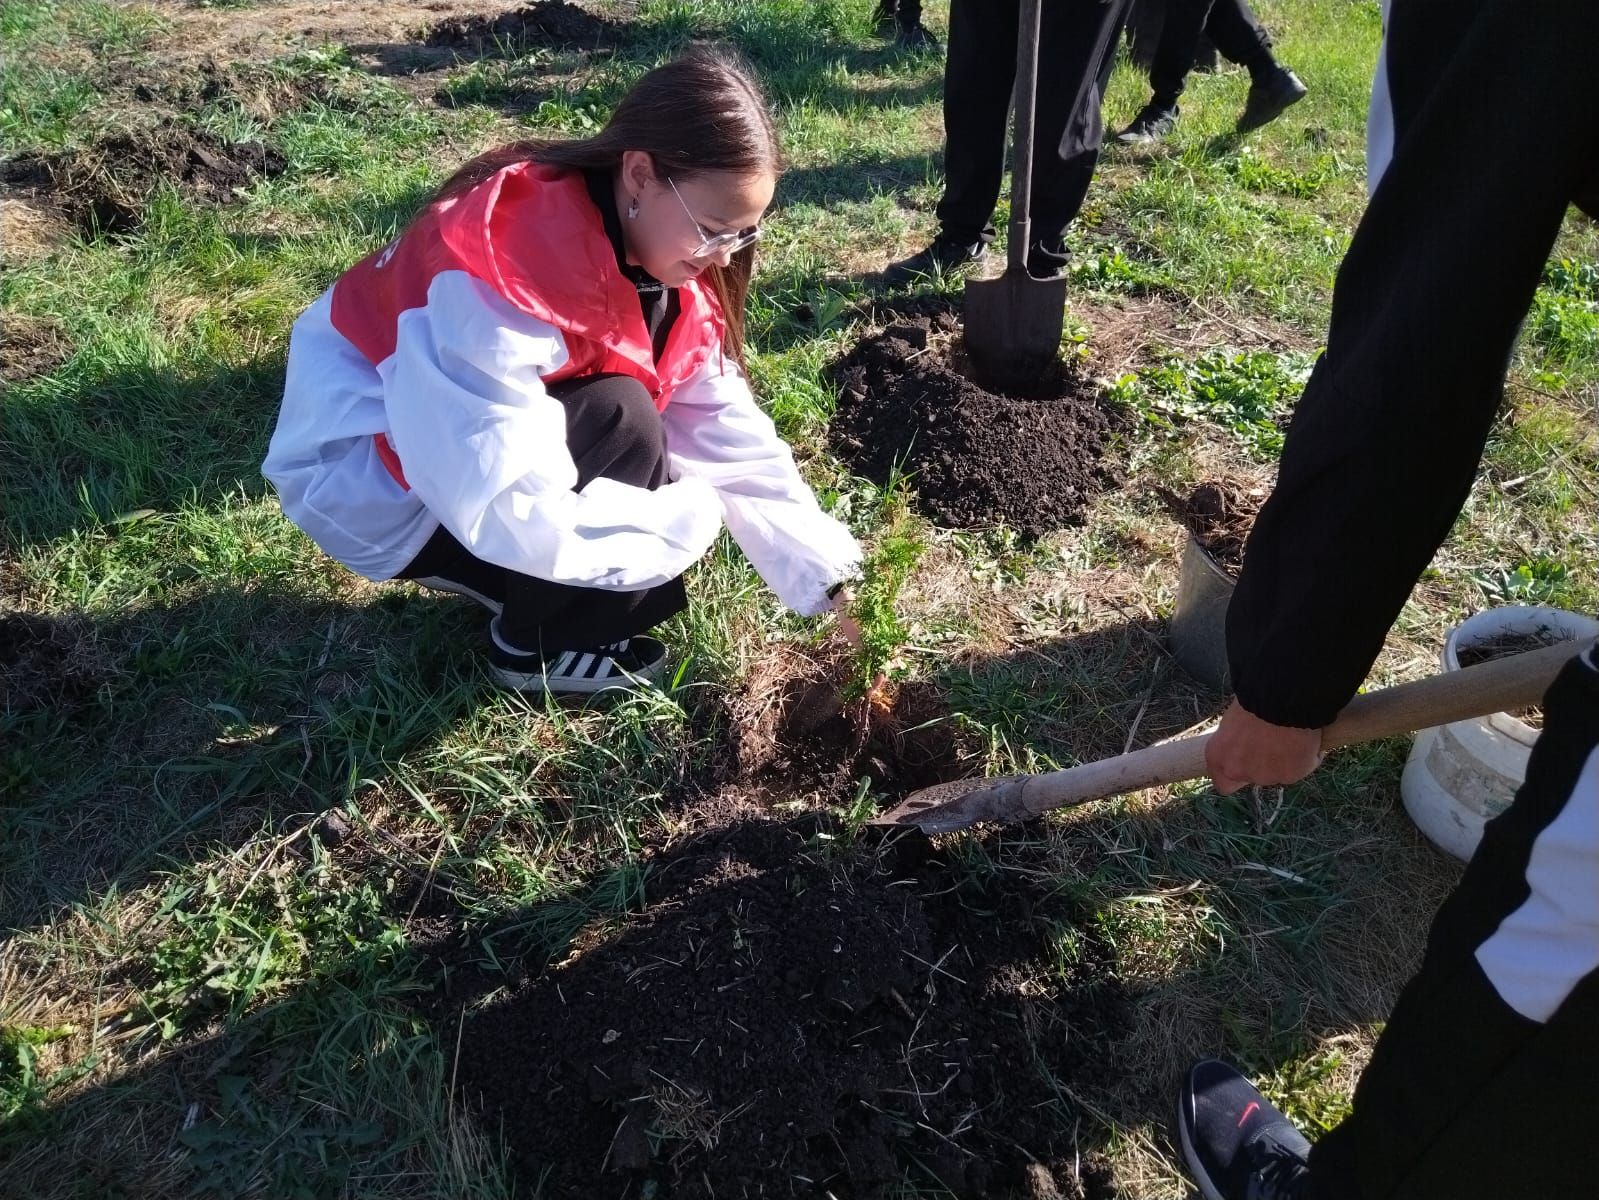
x,y
1207,1189
435,584
540,683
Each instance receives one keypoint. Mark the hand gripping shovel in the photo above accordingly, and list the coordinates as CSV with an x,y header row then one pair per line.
x,y
1013,323
1508,683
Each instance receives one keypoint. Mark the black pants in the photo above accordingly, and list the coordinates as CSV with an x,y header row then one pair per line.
x,y
907,14
612,430
1483,1085
1076,44
1231,24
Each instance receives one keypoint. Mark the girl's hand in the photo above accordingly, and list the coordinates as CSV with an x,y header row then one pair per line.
x,y
848,628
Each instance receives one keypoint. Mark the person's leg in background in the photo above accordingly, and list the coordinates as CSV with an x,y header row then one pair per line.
x,y
1077,43
1239,35
613,430
1174,53
979,73
1481,1084
1168,70
910,33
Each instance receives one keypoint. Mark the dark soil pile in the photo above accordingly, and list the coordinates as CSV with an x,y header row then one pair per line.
x,y
785,1021
104,188
30,346
1220,515
549,23
262,92
791,727
50,663
976,457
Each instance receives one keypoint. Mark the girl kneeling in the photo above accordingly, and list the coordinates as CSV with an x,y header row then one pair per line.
x,y
534,397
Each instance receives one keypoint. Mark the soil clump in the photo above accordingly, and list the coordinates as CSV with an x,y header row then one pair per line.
x,y
975,457
1219,513
794,727
104,188
31,346
50,663
792,1016
546,23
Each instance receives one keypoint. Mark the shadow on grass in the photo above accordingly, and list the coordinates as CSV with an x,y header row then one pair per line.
x,y
1262,928
855,181
92,445
800,59
345,1081
103,437
135,741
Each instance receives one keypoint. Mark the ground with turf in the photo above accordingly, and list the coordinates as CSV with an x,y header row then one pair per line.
x,y
295,903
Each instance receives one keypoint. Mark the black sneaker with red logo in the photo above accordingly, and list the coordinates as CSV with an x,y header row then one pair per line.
x,y
1235,1142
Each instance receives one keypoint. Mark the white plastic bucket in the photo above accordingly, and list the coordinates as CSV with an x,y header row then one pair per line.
x,y
1461,776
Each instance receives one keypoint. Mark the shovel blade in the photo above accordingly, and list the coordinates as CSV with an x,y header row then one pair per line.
x,y
950,807
1013,326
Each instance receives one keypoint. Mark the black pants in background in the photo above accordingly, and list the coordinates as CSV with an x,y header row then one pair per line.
x,y
1231,24
1483,1084
613,430
1076,51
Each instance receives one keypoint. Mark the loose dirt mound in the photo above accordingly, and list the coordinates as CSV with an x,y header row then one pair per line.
x,y
552,23
262,92
30,346
785,1021
104,188
792,724
976,457
1219,513
50,663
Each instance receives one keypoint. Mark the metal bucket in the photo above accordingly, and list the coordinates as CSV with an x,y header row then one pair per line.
x,y
1198,631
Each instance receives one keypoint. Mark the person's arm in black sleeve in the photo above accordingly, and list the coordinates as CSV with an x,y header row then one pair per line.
x,y
1496,132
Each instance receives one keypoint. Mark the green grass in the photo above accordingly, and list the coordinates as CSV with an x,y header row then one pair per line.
x,y
199,998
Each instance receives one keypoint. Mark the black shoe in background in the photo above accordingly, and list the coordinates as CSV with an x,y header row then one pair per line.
x,y
917,37
944,256
1269,97
584,672
1048,259
1153,122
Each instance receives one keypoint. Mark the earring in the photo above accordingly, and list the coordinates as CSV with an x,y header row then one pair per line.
x,y
632,209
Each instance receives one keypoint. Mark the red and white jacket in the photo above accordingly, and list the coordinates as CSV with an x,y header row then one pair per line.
x,y
415,397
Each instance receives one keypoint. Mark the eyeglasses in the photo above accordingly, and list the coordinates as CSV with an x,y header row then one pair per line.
x,y
712,244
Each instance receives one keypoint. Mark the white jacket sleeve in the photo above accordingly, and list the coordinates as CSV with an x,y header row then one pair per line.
x,y
483,446
715,432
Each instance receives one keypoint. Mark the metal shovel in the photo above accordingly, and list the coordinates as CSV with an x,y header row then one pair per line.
x,y
1013,323
1498,685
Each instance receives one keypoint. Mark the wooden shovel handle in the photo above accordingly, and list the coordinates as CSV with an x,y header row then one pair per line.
x,y
1514,681
1498,685
1025,99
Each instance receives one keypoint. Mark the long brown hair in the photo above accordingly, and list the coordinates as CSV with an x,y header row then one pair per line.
x,y
698,113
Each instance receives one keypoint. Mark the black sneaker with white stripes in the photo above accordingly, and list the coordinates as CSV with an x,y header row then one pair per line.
x,y
576,672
